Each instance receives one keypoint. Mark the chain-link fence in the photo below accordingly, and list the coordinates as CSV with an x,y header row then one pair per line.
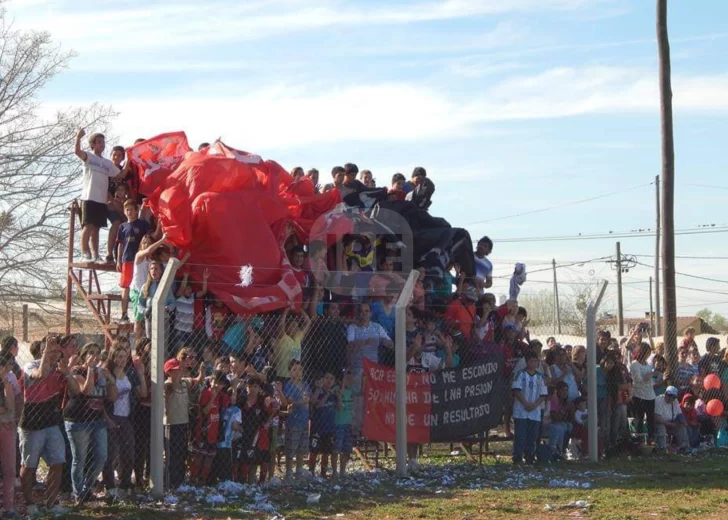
x,y
298,393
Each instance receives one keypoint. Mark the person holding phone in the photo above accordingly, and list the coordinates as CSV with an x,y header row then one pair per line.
x,y
45,380
84,420
643,390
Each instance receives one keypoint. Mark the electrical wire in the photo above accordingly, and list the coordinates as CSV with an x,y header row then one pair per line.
x,y
708,279
559,266
695,289
688,257
610,235
703,304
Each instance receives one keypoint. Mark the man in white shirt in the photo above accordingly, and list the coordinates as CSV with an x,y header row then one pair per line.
x,y
670,420
96,173
530,393
364,338
483,266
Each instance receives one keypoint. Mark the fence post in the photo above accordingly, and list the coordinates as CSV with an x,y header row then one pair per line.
x,y
591,372
400,367
156,459
25,322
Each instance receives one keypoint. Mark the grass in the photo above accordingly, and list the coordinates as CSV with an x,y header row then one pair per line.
x,y
666,487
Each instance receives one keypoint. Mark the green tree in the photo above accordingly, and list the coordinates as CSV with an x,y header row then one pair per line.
x,y
573,302
715,320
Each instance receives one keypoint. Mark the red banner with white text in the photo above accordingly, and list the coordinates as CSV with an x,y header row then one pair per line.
x,y
379,405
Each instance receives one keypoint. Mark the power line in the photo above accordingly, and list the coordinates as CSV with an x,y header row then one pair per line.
x,y
689,257
704,304
612,235
690,275
559,206
562,266
695,289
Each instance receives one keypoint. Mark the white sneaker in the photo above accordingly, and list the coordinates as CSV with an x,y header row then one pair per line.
x,y
99,260
87,257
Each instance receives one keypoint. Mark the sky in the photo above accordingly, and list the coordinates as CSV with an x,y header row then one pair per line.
x,y
535,118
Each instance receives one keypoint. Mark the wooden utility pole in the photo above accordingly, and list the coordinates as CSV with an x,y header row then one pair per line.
x,y
652,312
658,320
620,309
557,310
668,191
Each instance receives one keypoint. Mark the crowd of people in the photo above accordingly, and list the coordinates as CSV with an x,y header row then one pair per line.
x,y
639,403
246,394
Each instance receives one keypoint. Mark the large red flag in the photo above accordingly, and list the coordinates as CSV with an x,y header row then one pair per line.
x,y
156,158
229,209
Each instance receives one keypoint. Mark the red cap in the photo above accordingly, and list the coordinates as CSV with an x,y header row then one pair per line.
x,y
171,364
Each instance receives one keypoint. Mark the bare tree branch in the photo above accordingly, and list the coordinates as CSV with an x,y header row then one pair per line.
x,y
39,173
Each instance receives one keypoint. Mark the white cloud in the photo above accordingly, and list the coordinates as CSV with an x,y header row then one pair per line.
x,y
281,116
472,68
146,59
88,28
564,92
485,60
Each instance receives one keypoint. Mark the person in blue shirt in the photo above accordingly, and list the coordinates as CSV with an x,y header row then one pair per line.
x,y
296,396
383,313
383,310
452,346
129,237
324,411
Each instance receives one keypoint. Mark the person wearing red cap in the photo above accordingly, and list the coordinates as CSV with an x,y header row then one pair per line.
x,y
176,421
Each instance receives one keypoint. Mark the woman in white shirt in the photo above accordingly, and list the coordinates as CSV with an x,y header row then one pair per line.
x,y
643,391
130,385
562,370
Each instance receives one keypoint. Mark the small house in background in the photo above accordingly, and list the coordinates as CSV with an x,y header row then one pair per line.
x,y
683,322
